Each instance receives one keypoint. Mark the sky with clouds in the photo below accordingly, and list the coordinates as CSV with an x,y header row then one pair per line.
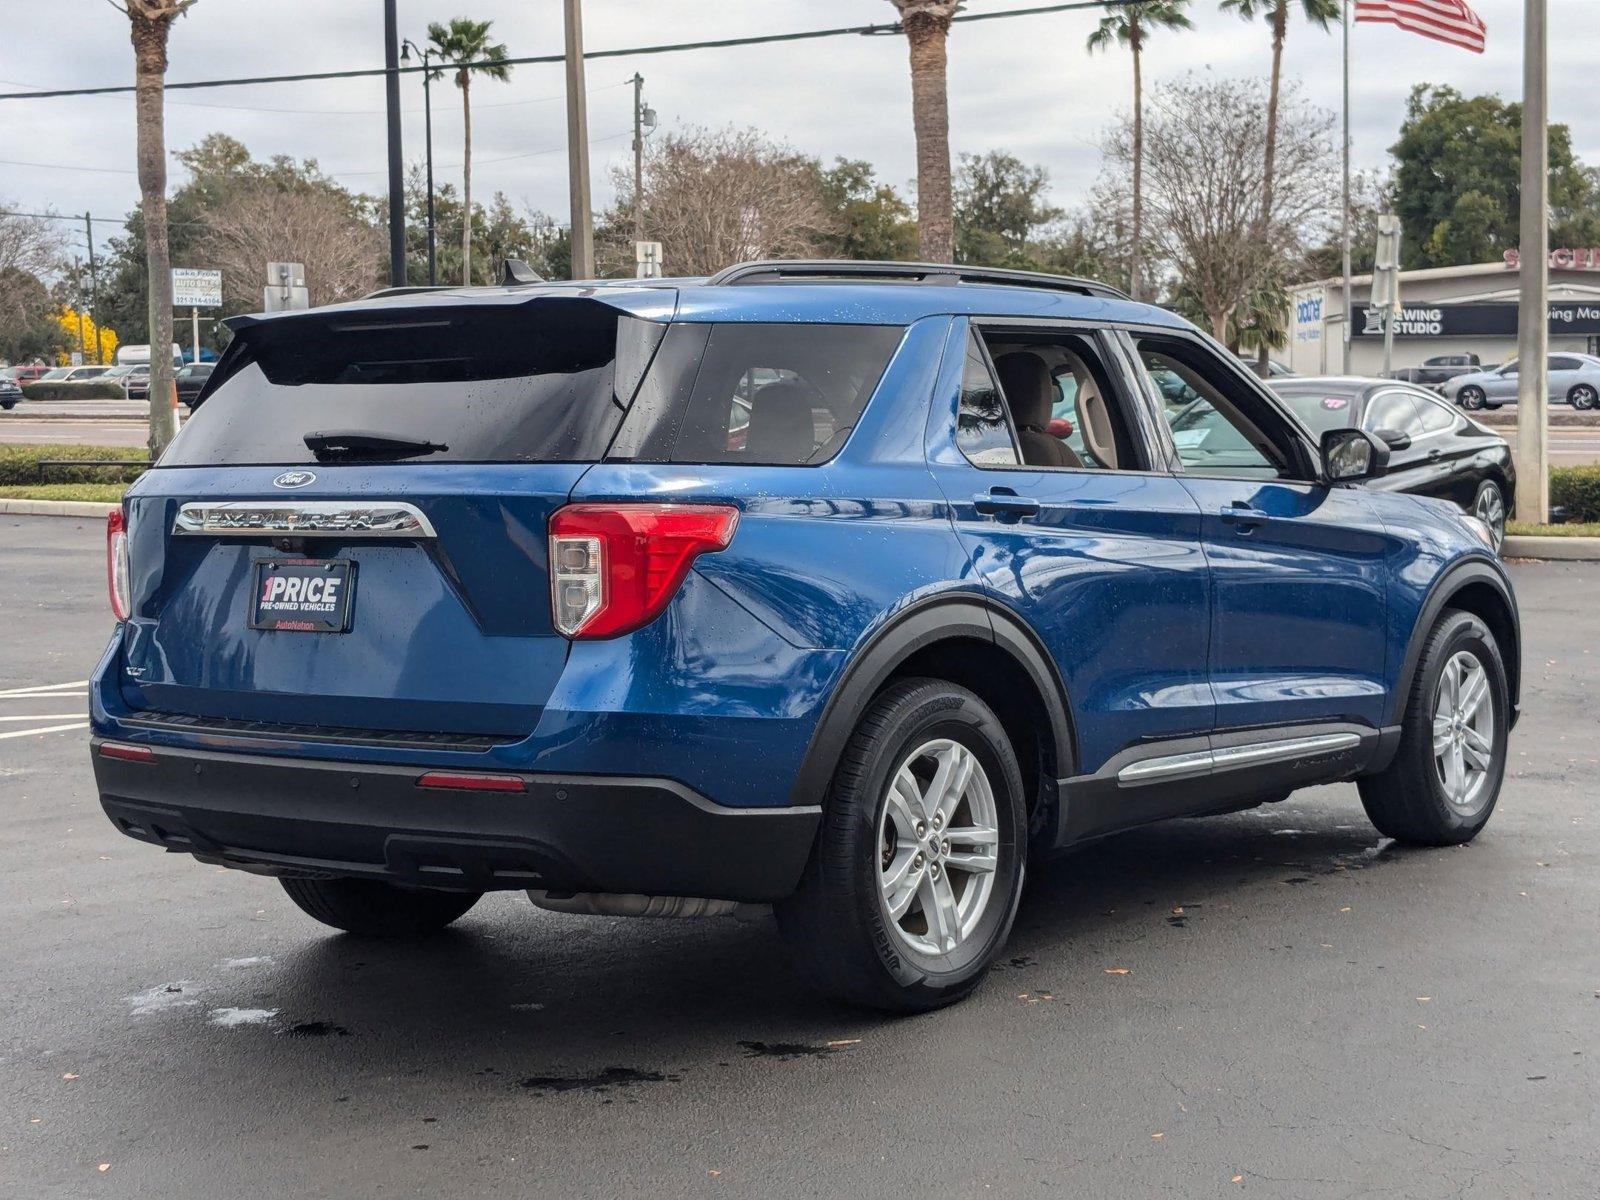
x,y
1024,85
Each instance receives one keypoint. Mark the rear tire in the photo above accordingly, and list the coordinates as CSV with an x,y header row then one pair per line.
x,y
377,909
1445,778
925,816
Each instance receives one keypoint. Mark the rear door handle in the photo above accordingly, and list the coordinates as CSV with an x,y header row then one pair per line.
x,y
1005,504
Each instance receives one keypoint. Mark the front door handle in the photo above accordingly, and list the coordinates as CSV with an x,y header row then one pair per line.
x,y
1005,504
1242,517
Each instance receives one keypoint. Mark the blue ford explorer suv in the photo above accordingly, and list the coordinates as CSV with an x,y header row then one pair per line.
x,y
852,588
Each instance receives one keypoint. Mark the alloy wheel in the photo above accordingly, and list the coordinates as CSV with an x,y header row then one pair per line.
x,y
1583,396
1472,398
1490,508
1463,730
939,843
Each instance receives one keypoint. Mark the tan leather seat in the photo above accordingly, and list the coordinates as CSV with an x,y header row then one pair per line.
x,y
1030,394
1094,422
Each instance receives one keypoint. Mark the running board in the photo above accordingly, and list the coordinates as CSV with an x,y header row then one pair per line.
x,y
1199,763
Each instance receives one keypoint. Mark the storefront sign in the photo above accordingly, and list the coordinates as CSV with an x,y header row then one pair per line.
x,y
1567,317
1584,258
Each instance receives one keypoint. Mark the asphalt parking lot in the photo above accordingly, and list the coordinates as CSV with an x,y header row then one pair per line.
x,y
1277,1002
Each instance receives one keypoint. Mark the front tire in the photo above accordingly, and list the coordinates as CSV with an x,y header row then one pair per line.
x,y
1472,398
918,868
1583,397
1445,778
1489,506
378,909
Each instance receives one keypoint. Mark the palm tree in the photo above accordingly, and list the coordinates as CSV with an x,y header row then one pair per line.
x,y
466,44
1129,25
150,21
1276,12
927,26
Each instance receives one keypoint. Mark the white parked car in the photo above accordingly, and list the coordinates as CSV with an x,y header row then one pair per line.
x,y
1574,379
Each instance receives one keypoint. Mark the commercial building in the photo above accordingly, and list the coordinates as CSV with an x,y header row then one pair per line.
x,y
1444,310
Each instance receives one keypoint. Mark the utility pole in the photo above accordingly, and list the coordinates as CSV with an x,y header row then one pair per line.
x,y
94,282
1533,315
578,145
397,191
638,157
427,118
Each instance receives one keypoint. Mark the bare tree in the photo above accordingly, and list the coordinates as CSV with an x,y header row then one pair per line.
x,y
32,244
1205,154
712,198
927,26
258,223
150,22
1130,25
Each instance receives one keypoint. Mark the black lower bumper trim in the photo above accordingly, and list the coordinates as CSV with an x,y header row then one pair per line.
x,y
566,833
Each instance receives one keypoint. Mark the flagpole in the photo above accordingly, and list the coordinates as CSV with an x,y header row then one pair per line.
x,y
1344,212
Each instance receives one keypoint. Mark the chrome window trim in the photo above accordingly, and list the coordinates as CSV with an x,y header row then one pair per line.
x,y
303,518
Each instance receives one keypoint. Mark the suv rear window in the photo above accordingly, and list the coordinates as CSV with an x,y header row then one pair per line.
x,y
549,381
758,394
546,381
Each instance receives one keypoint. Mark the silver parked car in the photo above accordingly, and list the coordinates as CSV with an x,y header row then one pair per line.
x,y
1574,378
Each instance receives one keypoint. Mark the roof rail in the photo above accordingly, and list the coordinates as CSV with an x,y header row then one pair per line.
x,y
825,270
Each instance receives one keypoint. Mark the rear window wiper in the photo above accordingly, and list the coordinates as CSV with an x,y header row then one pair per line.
x,y
335,446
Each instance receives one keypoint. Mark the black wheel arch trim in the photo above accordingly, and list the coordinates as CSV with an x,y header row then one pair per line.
x,y
923,624
1449,584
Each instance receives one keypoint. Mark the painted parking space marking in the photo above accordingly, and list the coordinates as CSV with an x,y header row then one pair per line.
x,y
42,690
52,696
16,733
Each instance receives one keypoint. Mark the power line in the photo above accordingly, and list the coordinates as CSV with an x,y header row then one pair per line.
x,y
350,112
633,51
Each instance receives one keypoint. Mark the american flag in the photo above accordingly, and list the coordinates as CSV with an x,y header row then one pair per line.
x,y
1443,20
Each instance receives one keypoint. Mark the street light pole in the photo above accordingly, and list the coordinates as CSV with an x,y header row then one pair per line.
x,y
397,192
427,120
1533,315
578,145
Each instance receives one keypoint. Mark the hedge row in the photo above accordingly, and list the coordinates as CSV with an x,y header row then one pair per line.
x,y
19,465
80,389
1577,490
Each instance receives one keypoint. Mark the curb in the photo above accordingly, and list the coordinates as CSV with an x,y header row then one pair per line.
x,y
1561,549
65,508
21,418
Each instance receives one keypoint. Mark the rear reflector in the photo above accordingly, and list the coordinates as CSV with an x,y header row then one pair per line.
x,y
126,752
472,783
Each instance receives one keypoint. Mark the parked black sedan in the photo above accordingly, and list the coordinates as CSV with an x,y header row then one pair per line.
x,y
1434,449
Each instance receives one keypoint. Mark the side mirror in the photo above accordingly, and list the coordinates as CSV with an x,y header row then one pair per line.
x,y
1351,455
1393,438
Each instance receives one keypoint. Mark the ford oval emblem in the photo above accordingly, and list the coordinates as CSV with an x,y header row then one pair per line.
x,y
294,479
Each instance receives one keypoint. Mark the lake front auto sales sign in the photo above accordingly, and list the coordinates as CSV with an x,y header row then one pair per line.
x,y
195,287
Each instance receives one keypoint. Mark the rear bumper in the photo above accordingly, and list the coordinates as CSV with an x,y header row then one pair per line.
x,y
564,833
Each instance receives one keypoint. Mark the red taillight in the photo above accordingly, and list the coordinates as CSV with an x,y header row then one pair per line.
x,y
126,752
472,783
613,567
117,563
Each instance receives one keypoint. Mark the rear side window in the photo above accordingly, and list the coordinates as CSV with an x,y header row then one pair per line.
x,y
758,394
544,381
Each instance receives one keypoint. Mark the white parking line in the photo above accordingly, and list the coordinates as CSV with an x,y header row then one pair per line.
x,y
16,733
46,717
42,690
